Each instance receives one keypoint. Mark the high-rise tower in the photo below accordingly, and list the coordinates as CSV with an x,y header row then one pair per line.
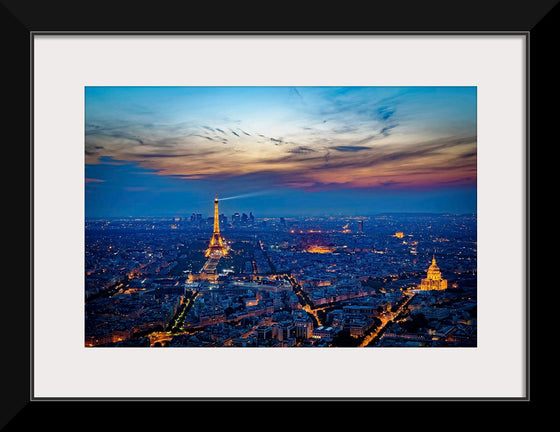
x,y
216,247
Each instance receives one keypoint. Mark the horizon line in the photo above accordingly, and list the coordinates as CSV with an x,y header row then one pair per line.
x,y
291,216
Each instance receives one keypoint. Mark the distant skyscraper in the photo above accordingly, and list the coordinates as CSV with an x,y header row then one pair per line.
x,y
361,226
236,218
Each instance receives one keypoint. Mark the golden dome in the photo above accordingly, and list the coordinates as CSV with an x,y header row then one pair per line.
x,y
433,281
434,265
433,272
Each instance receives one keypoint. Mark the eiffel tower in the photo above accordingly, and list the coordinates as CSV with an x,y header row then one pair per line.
x,y
216,248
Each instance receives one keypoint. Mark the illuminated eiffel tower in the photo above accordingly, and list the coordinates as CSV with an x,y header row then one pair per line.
x,y
216,248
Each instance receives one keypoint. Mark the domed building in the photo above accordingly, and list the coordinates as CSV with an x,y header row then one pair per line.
x,y
433,281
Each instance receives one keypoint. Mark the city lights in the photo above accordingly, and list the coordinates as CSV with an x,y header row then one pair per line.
x,y
285,283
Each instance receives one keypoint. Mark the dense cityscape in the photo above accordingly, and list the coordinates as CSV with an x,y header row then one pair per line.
x,y
385,280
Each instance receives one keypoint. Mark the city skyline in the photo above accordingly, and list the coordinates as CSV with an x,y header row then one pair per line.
x,y
393,281
286,151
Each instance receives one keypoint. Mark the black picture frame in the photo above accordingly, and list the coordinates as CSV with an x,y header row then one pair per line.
x,y
21,19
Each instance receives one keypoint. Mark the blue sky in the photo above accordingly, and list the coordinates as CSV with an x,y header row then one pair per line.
x,y
165,151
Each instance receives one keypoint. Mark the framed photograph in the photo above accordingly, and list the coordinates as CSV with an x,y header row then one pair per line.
x,y
228,216
310,215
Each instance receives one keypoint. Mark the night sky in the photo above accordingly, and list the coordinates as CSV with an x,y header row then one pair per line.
x,y
279,151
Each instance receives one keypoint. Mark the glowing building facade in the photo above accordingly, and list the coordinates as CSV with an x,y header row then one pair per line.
x,y
433,281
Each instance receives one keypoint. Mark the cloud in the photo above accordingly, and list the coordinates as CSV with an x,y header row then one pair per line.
x,y
392,183
115,134
385,112
204,136
312,161
392,153
164,155
294,143
386,129
350,148
468,154
300,150
383,133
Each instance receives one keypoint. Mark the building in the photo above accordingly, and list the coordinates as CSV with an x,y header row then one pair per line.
x,y
433,281
264,332
216,247
285,331
324,332
366,310
303,328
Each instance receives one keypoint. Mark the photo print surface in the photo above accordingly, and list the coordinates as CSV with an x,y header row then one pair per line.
x,y
281,217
